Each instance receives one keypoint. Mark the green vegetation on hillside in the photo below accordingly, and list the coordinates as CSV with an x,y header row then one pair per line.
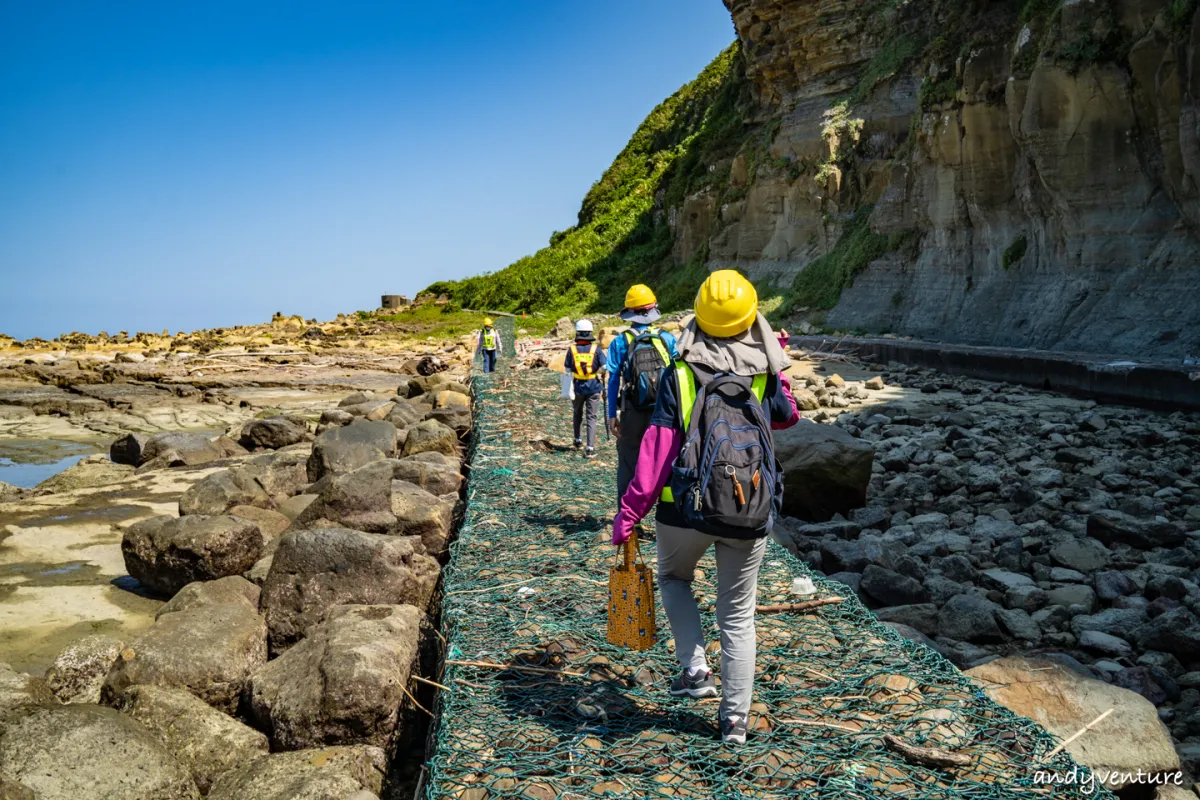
x,y
820,284
622,235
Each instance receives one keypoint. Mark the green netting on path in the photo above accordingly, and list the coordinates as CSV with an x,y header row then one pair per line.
x,y
526,587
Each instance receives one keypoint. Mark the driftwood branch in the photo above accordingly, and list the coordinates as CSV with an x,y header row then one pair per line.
x,y
517,668
805,606
925,756
1079,733
814,724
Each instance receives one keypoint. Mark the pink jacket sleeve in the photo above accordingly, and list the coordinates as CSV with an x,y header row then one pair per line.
x,y
787,392
660,448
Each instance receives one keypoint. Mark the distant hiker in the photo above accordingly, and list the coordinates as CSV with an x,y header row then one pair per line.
x,y
708,460
635,360
489,345
585,361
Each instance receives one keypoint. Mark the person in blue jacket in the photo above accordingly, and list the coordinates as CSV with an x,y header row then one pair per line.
x,y
635,359
585,362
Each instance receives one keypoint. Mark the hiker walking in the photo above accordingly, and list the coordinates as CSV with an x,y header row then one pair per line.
x,y
635,360
585,362
708,461
489,345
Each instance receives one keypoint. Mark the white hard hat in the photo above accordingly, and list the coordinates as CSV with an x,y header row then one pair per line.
x,y
583,326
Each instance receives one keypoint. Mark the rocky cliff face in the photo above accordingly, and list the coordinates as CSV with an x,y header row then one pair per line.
x,y
1027,170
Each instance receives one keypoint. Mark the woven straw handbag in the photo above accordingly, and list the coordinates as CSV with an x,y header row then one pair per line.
x,y
631,599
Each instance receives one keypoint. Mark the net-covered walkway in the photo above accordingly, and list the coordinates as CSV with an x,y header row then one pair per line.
x,y
566,715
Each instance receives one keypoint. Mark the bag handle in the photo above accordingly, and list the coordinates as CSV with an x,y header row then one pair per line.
x,y
630,550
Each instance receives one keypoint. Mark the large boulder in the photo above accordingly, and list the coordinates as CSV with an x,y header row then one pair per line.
x,y
436,477
19,689
419,513
182,448
73,752
375,409
205,741
1063,702
970,618
210,649
233,590
1176,632
92,471
273,433
314,570
340,450
404,414
128,449
891,588
330,773
168,553
265,481
450,398
359,499
294,506
456,418
271,524
281,474
11,790
79,670
825,470
1113,527
357,399
343,683
1122,622
1081,555
431,436
217,493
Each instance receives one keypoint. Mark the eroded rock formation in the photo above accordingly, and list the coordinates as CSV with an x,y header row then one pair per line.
x,y
1026,181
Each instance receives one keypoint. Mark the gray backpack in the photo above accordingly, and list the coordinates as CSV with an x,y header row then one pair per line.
x,y
726,481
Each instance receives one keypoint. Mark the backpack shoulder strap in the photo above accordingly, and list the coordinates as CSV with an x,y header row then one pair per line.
x,y
759,386
687,392
661,347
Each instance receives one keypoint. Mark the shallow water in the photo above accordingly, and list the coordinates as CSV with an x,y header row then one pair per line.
x,y
28,462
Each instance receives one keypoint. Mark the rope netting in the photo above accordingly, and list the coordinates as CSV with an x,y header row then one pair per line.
x,y
538,705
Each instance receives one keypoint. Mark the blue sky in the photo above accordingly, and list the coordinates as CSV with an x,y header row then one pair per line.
x,y
197,164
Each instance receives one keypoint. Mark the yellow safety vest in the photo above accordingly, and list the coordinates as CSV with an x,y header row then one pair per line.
x,y
489,339
585,363
687,401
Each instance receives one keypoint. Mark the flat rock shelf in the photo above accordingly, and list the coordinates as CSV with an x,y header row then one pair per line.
x,y
538,705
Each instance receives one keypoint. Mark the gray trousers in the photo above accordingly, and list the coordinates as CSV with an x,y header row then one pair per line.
x,y
587,406
629,443
738,561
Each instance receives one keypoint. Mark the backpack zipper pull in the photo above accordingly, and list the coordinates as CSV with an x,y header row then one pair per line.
x,y
737,485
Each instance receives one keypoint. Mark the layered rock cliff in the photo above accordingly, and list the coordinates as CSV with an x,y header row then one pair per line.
x,y
1027,174
1006,172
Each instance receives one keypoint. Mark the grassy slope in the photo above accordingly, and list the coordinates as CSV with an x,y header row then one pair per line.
x,y
619,238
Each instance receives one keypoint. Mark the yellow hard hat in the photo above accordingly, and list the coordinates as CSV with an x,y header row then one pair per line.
x,y
487,322
640,296
726,304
